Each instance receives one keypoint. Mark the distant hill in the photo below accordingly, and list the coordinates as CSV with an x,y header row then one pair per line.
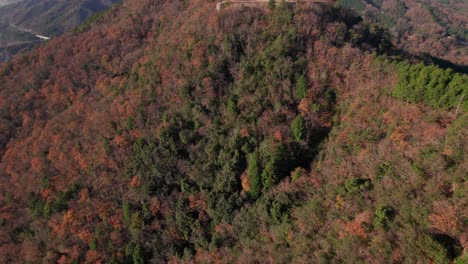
x,y
7,2
438,27
52,17
21,20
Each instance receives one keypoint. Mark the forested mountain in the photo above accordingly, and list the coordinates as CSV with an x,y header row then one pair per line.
x,y
21,20
166,131
436,27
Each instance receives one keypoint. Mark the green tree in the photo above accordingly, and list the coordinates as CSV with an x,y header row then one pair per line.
x,y
271,4
138,255
456,92
298,128
93,244
433,249
127,213
269,175
353,186
383,215
276,159
301,87
254,175
48,210
137,225
185,223
430,84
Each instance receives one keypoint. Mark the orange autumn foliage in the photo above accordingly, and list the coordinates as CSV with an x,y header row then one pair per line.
x,y
355,227
444,217
245,181
135,182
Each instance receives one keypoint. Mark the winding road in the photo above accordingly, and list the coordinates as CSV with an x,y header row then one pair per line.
x,y
29,31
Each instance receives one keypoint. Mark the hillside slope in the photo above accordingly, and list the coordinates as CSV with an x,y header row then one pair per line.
x,y
438,28
52,17
7,2
22,20
170,132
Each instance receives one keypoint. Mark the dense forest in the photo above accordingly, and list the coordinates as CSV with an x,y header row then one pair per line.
x,y
165,131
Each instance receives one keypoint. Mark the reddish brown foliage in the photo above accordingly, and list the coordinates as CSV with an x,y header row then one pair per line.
x,y
355,227
445,217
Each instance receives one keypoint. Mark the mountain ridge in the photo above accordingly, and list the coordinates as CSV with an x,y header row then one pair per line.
x,y
169,132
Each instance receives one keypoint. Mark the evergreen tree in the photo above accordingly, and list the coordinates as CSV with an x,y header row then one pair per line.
x,y
301,87
271,4
126,213
254,175
298,128
138,255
